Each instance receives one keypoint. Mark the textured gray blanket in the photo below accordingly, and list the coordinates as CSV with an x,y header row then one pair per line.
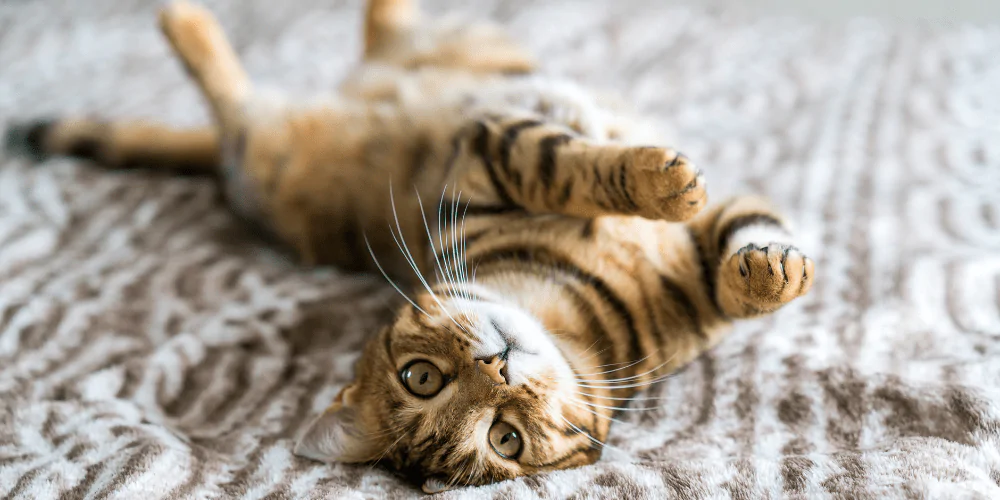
x,y
150,347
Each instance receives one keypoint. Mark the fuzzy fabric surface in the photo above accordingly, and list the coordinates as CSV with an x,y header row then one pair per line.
x,y
150,347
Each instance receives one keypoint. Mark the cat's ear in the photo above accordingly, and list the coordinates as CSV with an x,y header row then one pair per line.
x,y
337,434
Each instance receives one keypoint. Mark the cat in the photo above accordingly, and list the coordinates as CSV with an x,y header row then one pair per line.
x,y
553,260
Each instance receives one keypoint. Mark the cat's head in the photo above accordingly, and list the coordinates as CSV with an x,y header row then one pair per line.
x,y
467,391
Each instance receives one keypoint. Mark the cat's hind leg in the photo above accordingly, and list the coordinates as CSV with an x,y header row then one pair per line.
x,y
751,257
198,40
200,44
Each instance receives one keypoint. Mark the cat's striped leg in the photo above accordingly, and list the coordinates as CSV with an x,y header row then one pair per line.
x,y
202,47
546,168
751,257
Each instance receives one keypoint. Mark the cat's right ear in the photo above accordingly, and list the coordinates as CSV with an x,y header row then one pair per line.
x,y
338,434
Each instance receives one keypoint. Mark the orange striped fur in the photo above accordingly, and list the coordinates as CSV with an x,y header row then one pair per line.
x,y
555,260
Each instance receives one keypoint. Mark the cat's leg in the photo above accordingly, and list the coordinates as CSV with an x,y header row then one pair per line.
x,y
545,168
397,33
201,45
386,22
751,257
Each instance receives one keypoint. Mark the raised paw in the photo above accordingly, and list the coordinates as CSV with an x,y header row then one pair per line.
x,y
202,47
760,279
668,185
191,30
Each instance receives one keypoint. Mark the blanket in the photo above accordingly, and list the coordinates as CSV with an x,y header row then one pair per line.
x,y
151,347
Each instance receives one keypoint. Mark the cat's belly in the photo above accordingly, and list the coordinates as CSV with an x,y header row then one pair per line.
x,y
239,190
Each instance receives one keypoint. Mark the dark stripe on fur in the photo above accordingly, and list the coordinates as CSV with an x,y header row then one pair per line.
x,y
547,158
565,193
510,138
481,148
680,297
623,184
569,455
708,274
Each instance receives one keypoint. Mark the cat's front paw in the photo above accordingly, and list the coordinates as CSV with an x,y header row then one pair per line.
x,y
668,185
760,279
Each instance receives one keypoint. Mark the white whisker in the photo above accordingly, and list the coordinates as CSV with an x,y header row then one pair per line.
x,y
387,278
634,377
616,369
409,258
587,435
616,408
606,417
628,386
627,399
430,239
625,379
445,270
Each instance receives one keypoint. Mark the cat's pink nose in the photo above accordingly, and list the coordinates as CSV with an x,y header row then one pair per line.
x,y
491,368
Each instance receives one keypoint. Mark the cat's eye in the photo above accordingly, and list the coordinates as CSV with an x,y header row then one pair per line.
x,y
505,440
422,378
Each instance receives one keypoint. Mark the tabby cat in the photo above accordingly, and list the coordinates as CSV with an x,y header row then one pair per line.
x,y
553,262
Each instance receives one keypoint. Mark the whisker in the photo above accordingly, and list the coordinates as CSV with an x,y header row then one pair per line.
x,y
587,435
386,452
616,369
617,408
613,364
628,386
445,270
409,257
465,248
458,238
454,241
589,348
634,377
598,396
625,379
606,417
391,282
430,239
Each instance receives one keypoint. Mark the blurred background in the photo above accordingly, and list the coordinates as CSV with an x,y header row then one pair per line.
x,y
936,10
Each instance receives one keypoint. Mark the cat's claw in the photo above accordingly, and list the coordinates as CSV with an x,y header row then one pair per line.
x,y
668,185
770,275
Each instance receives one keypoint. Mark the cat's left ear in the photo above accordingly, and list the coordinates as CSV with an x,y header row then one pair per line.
x,y
337,435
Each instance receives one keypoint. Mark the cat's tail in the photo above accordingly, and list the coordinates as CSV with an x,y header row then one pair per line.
x,y
119,144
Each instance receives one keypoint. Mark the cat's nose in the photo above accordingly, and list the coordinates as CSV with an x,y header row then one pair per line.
x,y
492,368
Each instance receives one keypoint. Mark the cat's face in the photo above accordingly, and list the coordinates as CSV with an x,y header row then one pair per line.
x,y
470,393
